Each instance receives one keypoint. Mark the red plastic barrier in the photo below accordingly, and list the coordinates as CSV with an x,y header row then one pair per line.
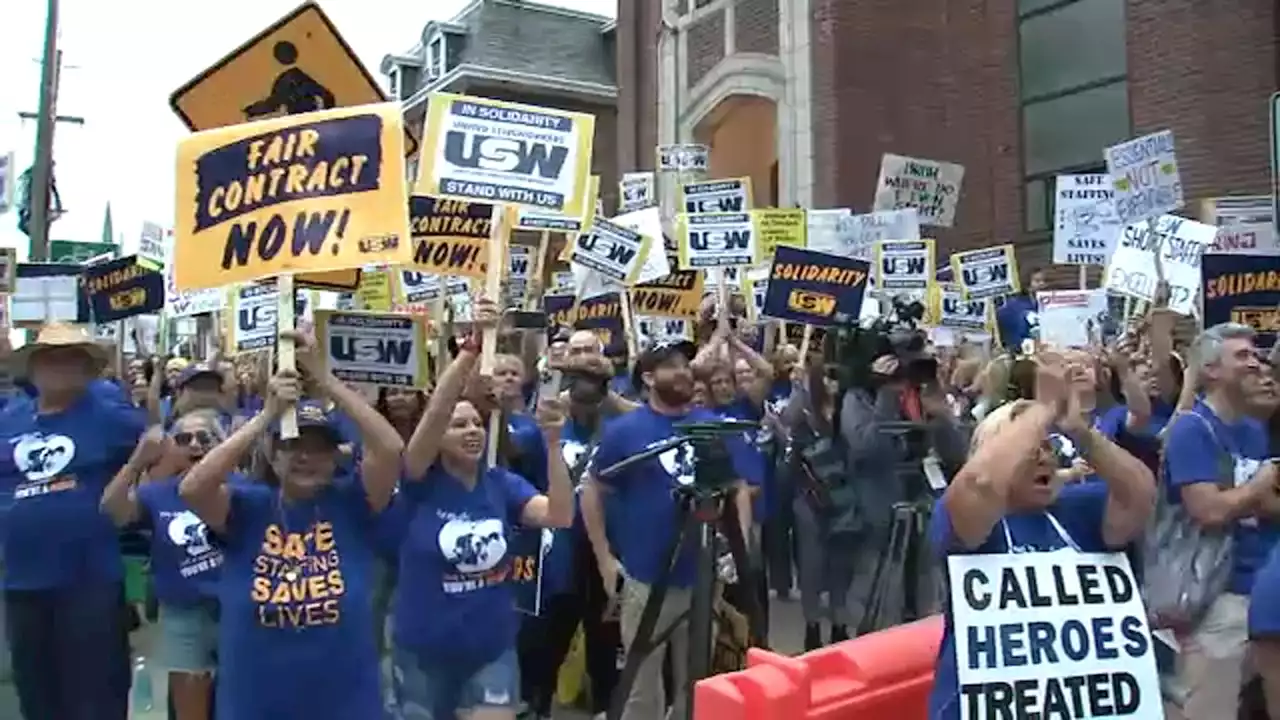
x,y
883,676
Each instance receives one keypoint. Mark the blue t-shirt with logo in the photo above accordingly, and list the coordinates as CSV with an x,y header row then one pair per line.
x,y
757,474
454,600
646,507
54,468
1074,519
186,562
1203,448
297,630
1018,319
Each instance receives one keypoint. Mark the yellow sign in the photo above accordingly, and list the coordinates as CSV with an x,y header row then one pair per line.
x,y
450,237
374,292
300,64
496,152
780,227
678,295
346,279
315,192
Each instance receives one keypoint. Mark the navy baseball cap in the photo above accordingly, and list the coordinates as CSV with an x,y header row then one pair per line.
x,y
312,414
660,354
196,370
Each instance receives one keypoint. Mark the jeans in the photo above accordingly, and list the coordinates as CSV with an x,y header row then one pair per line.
x,y
427,690
780,541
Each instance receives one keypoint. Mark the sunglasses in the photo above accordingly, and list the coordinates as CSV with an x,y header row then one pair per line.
x,y
203,438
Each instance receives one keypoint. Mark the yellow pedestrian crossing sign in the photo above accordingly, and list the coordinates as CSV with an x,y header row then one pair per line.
x,y
299,64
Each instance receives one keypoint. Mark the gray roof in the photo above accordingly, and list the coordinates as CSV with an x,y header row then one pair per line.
x,y
532,38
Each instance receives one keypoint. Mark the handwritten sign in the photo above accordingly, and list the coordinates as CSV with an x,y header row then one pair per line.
x,y
1072,318
313,192
1181,244
1085,228
1144,174
929,186
986,272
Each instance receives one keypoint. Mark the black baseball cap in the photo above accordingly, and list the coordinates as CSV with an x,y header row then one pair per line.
x,y
660,354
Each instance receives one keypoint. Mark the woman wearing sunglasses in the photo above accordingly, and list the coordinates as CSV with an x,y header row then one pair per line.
x,y
183,561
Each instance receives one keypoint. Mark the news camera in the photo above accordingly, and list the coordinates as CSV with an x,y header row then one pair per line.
x,y
853,348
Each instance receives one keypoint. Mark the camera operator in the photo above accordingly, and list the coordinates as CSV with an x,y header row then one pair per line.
x,y
891,467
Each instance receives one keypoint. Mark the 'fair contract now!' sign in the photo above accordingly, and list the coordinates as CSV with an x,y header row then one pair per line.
x,y
1058,635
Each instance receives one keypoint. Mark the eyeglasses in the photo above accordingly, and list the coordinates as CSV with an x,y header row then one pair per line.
x,y
203,438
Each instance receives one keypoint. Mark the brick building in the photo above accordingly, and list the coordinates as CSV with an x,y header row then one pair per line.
x,y
520,52
1015,90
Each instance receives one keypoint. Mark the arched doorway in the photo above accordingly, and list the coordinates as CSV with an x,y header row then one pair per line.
x,y
741,131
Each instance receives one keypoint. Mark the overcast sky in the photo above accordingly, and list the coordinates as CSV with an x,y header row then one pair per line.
x,y
121,60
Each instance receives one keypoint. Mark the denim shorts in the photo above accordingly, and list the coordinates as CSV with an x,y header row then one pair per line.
x,y
426,690
188,639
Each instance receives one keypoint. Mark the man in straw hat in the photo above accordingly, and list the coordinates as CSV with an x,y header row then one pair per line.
x,y
63,572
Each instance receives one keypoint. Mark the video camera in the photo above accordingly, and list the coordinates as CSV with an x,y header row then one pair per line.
x,y
853,348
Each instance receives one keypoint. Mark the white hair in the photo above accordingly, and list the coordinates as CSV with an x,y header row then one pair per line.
x,y
1206,349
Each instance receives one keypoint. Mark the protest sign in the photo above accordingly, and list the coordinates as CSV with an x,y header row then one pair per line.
x,y
986,272
676,296
655,329
152,249
186,303
715,240
929,186
562,282
904,266
776,228
815,288
519,261
716,196
826,231
1243,289
637,190
44,292
613,251
528,549
1071,318
1144,175
122,288
8,270
498,152
1085,228
375,292
300,193
1181,244
418,287
449,236
1051,635
686,157
656,265
548,221
253,316
1246,225
373,349
601,315
949,308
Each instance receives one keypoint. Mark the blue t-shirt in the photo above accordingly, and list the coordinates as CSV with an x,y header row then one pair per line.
x,y
297,628
454,600
646,514
185,561
527,438
56,468
757,474
1079,517
1018,319
557,567
1143,443
1206,449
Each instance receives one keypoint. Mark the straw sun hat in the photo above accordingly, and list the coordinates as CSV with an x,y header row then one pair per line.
x,y
59,335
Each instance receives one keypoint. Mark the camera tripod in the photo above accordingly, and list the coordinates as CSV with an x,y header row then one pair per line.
x,y
702,507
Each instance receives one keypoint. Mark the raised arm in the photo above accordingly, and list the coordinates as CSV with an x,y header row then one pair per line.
x,y
120,499
380,444
554,509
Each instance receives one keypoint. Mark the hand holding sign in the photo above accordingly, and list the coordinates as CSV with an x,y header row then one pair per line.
x,y
307,357
283,392
550,414
485,315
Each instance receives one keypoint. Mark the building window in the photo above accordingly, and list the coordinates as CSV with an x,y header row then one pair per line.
x,y
1074,94
436,57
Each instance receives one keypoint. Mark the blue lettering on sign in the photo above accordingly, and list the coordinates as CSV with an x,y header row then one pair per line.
x,y
486,152
621,254
729,239
308,235
733,203
382,351
257,317
986,274
893,265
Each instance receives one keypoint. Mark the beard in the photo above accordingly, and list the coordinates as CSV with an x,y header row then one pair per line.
x,y
673,392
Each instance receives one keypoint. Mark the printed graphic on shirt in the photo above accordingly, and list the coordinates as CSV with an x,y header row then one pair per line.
x,y
187,531
42,458
298,580
678,462
476,548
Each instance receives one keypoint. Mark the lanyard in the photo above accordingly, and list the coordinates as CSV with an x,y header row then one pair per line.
x,y
1057,527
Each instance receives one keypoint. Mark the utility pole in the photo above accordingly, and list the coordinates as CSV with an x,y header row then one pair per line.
x,y
42,173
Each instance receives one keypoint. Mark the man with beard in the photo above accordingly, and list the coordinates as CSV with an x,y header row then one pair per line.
x,y
571,582
645,518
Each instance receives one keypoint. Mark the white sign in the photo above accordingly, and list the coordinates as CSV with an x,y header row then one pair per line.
x,y
1085,229
954,311
254,310
186,303
654,329
383,350
716,196
929,186
986,273
1246,225
1071,318
716,240
562,282
152,250
1181,243
904,265
8,180
636,190
490,151
613,251
1144,173
8,270
647,222
519,270
420,287
1051,635
39,300
683,158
